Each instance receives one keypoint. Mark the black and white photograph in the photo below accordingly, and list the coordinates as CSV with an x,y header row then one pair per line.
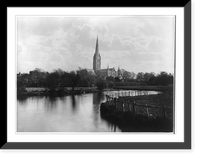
x,y
96,73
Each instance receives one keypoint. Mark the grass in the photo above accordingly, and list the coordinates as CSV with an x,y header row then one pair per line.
x,y
157,100
154,88
140,122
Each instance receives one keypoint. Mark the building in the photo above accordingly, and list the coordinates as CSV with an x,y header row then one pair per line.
x,y
96,58
103,73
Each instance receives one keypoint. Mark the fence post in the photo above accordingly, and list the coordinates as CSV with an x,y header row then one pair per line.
x,y
164,110
129,106
115,102
133,108
147,110
136,111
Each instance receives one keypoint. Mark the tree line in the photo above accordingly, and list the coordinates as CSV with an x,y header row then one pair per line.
x,y
84,78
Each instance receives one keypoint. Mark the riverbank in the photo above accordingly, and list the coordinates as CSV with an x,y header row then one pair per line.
x,y
148,88
159,118
40,91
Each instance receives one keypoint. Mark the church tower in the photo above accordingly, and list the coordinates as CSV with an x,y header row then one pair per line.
x,y
96,58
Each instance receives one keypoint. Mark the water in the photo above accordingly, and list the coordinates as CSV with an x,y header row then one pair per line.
x,y
75,113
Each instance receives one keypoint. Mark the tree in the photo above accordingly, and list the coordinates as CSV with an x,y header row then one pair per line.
x,y
65,80
59,73
74,79
117,79
110,78
162,79
52,81
101,84
87,79
110,84
165,79
37,78
140,76
22,81
133,75
147,76
152,81
126,75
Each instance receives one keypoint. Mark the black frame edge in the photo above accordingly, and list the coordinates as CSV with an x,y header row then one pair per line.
x,y
187,75
98,145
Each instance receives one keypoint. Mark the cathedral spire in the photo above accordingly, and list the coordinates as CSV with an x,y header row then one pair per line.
x,y
97,46
96,58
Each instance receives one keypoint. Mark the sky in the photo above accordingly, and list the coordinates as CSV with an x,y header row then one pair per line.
x,y
133,43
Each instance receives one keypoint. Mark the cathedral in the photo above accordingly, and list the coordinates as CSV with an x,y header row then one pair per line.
x,y
103,73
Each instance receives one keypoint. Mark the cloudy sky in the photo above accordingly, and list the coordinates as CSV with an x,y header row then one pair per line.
x,y
135,43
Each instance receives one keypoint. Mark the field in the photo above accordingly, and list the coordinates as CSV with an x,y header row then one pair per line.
x,y
158,119
158,100
154,88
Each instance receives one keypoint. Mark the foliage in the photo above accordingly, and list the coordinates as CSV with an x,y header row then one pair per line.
x,y
110,78
110,84
84,78
101,84
87,79
117,79
37,78
126,75
163,79
52,80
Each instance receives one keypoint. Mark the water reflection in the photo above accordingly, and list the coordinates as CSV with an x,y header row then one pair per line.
x,y
98,98
73,102
75,113
113,127
22,101
50,103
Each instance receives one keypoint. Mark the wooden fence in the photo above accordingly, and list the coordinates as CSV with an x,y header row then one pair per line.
x,y
119,104
127,93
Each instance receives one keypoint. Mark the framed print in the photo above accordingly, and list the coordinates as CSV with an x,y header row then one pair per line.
x,y
98,78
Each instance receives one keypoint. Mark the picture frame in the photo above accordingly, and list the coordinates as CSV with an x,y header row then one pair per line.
x,y
186,144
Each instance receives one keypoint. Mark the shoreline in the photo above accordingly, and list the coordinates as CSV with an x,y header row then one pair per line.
x,y
40,91
158,119
153,88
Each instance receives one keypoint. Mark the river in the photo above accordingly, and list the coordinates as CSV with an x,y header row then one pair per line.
x,y
74,113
